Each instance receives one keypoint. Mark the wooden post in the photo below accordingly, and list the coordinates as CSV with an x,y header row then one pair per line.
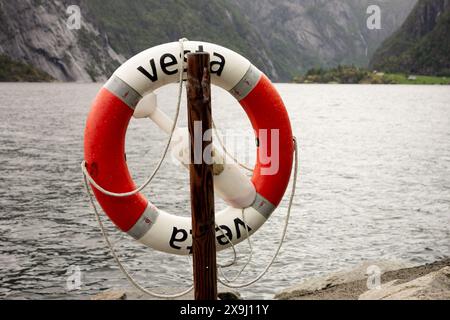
x,y
201,177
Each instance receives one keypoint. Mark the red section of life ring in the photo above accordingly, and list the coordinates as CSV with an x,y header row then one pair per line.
x,y
266,110
104,147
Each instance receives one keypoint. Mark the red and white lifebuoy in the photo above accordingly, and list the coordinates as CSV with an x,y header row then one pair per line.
x,y
104,146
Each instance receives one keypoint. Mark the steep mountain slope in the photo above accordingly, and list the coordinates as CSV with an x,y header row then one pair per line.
x,y
312,33
35,32
422,45
281,37
133,26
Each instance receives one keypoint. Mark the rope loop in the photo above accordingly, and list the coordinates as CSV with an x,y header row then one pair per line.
x,y
226,282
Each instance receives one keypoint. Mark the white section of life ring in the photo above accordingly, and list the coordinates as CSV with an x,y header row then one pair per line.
x,y
172,234
154,68
253,217
162,64
230,184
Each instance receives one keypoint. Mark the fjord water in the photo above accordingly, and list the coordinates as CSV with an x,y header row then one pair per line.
x,y
374,184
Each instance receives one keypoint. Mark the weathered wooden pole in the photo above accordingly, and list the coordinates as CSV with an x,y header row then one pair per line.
x,y
201,177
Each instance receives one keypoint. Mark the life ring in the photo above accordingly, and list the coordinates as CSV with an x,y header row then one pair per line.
x,y
104,145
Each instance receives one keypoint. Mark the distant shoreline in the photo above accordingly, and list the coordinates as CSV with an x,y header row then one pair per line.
x,y
357,75
348,290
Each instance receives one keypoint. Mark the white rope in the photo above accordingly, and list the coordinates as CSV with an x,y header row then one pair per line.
x,y
147,182
117,259
249,259
226,282
243,166
232,263
166,148
283,235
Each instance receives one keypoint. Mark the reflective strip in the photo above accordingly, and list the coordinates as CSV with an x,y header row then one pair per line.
x,y
123,91
247,83
145,222
263,206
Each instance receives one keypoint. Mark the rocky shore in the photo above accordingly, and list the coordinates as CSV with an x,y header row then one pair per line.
x,y
396,281
429,281
134,294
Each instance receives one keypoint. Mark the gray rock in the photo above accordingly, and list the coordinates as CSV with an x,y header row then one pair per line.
x,y
312,285
133,294
111,295
433,286
228,295
327,31
283,37
37,34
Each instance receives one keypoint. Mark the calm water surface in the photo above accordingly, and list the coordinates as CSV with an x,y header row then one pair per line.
x,y
374,184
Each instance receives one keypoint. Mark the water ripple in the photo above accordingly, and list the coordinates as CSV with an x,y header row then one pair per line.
x,y
374,184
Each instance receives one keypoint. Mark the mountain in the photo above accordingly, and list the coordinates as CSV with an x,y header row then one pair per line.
x,y
302,34
35,32
422,45
281,37
133,26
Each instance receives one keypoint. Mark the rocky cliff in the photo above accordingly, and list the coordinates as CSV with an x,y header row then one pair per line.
x,y
301,34
282,37
422,45
35,32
